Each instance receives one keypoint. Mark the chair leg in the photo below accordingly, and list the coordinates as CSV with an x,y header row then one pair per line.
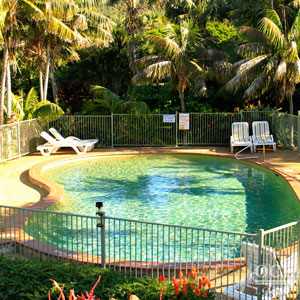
x,y
231,148
274,147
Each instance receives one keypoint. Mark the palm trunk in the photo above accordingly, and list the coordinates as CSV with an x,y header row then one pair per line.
x,y
133,46
47,73
41,85
8,93
54,85
181,96
291,105
3,78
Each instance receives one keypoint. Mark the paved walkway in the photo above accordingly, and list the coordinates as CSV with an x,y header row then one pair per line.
x,y
17,190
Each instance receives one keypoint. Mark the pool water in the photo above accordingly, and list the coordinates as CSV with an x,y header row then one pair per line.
x,y
191,190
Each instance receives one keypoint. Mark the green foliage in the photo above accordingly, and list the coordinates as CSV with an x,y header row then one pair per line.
x,y
30,280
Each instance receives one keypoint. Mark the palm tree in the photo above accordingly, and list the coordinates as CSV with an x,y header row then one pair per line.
x,y
271,62
14,15
182,59
104,99
30,107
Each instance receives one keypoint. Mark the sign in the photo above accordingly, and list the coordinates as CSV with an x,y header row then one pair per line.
x,y
169,119
184,121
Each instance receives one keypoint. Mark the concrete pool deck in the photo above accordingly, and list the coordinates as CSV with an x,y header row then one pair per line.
x,y
16,189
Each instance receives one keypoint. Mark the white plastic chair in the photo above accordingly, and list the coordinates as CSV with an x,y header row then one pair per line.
x,y
277,276
53,145
240,136
59,137
261,135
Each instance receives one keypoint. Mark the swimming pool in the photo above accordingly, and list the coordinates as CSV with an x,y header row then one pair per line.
x,y
191,190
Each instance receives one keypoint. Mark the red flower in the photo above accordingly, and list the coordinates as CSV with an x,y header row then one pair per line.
x,y
192,286
180,276
161,278
208,125
184,290
232,115
74,127
176,291
197,292
204,294
72,118
185,281
187,274
200,283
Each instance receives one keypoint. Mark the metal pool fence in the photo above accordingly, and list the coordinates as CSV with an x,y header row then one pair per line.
x,y
144,248
21,138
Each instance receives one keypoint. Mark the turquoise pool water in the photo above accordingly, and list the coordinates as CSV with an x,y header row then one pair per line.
x,y
192,190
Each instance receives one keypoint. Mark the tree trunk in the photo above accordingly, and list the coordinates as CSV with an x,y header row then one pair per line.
x,y
133,46
47,73
41,85
54,85
3,78
181,96
291,105
8,93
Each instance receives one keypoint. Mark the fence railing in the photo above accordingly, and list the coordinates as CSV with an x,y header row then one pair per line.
x,y
21,138
144,248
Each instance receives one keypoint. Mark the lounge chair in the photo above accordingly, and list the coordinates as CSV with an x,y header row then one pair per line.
x,y
59,137
53,145
277,276
261,135
240,136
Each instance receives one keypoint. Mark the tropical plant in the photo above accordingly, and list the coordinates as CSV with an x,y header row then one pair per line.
x,y
30,107
271,62
107,101
14,16
72,296
182,58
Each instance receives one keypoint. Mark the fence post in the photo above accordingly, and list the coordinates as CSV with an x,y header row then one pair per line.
x,y
100,214
176,125
260,262
112,129
298,256
298,132
19,139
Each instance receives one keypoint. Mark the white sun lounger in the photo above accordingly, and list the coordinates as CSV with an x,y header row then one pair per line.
x,y
53,145
240,136
261,135
277,276
59,137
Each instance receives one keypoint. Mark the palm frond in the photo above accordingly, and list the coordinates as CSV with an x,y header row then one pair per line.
x,y
17,105
211,55
281,70
252,34
237,64
295,28
292,53
31,100
252,50
257,87
107,95
148,60
200,88
251,63
156,71
169,46
272,32
135,107
272,15
35,12
48,111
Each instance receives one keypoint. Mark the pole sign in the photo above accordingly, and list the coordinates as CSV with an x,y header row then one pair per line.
x,y
184,121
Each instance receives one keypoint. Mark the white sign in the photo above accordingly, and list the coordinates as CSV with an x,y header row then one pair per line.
x,y
169,119
184,121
